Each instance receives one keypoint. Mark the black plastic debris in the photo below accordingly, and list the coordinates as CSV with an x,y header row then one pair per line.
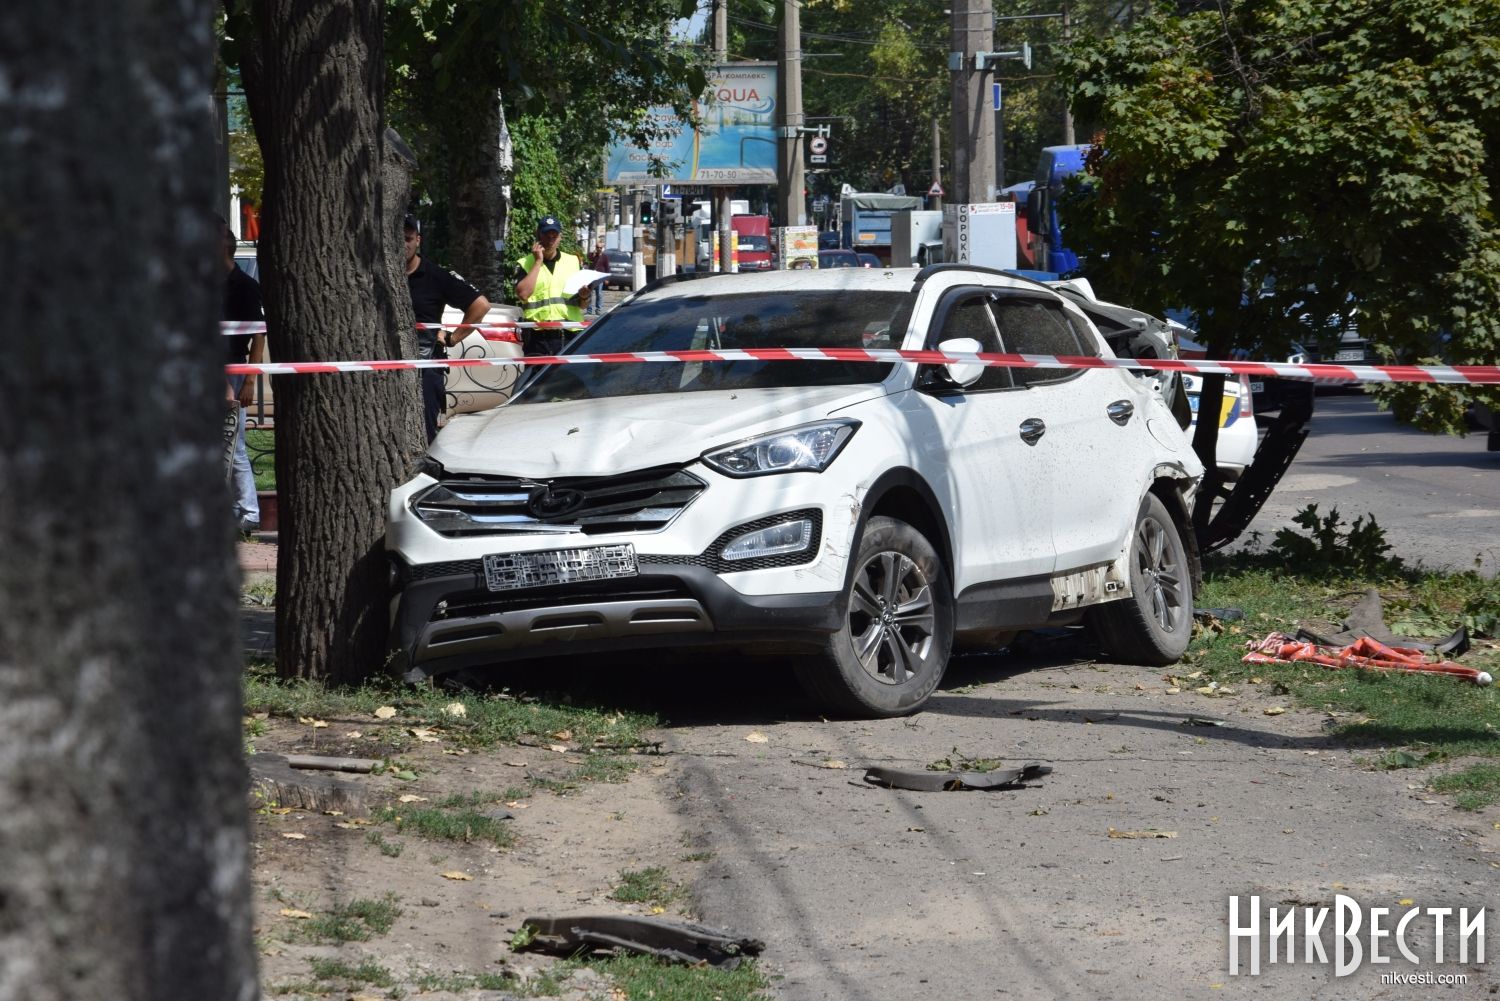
x,y
676,941
1368,619
925,781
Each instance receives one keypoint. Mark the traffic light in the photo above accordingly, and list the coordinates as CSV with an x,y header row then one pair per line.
x,y
671,211
647,212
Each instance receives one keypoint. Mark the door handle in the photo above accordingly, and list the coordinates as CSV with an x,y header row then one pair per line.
x,y
1032,430
1120,411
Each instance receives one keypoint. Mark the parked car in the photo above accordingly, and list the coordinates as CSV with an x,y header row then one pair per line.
x,y
621,269
1238,435
868,260
838,259
862,517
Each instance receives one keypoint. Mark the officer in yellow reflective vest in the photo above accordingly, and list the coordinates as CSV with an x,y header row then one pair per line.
x,y
541,279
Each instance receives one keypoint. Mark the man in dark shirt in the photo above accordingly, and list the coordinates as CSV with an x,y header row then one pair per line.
x,y
241,302
432,288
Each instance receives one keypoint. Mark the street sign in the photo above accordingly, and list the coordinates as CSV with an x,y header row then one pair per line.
x,y
936,191
995,96
817,146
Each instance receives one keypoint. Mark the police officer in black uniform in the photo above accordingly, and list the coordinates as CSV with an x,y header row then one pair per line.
x,y
432,288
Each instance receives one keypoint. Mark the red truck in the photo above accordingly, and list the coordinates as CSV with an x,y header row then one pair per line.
x,y
754,242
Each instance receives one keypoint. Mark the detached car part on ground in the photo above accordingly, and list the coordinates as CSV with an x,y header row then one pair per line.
x,y
861,518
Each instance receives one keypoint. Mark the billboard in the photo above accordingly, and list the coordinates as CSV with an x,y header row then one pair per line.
x,y
734,144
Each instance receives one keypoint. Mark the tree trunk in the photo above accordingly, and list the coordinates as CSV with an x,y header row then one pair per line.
x,y
471,139
123,827
314,82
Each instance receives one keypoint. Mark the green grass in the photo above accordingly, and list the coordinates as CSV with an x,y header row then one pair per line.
x,y
649,886
488,720
645,978
353,976
1477,786
466,825
262,448
390,849
356,921
1411,719
459,981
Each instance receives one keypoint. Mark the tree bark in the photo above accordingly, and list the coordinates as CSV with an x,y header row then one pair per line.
x,y
123,827
476,203
314,82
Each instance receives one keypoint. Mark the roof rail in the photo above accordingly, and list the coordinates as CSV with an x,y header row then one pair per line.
x,y
936,269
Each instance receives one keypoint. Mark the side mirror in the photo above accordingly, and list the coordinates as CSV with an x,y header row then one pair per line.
x,y
961,373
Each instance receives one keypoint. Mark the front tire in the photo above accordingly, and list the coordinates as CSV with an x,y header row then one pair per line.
x,y
1155,624
893,646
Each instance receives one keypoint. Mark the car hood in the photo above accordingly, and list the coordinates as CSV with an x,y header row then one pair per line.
x,y
599,437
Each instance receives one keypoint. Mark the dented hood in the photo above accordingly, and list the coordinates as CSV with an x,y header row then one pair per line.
x,y
598,437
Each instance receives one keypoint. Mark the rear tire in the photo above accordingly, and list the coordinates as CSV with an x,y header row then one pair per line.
x,y
897,633
1155,624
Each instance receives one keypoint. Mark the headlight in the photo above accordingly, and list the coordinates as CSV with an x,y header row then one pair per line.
x,y
806,449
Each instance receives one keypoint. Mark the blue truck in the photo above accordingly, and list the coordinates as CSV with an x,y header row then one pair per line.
x,y
1048,251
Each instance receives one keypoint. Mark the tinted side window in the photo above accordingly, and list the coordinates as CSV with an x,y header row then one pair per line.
x,y
1034,327
972,318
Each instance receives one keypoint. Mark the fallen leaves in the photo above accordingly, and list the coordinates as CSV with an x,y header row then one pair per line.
x,y
1146,834
385,712
412,798
457,876
1274,710
294,835
756,737
456,709
316,724
292,912
423,734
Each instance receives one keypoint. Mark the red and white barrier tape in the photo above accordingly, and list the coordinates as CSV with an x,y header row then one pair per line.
x,y
238,328
1453,374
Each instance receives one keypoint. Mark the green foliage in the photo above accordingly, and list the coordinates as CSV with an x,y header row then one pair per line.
x,y
645,977
465,825
1477,786
646,886
1328,549
541,186
1275,166
356,921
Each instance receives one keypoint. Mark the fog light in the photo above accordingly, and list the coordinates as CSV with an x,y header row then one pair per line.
x,y
776,540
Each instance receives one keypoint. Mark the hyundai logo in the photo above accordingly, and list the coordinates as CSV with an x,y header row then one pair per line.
x,y
545,502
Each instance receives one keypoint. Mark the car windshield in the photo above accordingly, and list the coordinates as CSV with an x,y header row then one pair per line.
x,y
759,243
837,259
808,318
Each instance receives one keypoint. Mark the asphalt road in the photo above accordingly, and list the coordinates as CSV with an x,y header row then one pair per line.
x,y
1437,497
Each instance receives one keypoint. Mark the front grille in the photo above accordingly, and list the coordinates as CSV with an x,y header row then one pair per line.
x,y
643,501
474,603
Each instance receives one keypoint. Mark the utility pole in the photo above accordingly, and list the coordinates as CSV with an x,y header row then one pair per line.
x,y
937,164
973,123
1067,35
789,168
720,196
637,243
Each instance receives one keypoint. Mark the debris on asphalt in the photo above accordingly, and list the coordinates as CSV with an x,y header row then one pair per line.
x,y
1143,835
1366,652
1201,721
677,941
929,781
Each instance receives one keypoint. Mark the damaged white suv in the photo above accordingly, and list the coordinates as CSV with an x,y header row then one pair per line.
x,y
859,517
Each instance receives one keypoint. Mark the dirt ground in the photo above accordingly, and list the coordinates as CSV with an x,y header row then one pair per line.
x,y
756,806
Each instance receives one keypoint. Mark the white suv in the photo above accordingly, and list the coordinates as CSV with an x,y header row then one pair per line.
x,y
860,517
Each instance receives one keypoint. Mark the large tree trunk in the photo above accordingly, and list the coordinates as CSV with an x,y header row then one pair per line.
x,y
123,829
476,203
314,84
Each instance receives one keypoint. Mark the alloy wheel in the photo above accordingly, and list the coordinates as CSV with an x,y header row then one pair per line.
x,y
1161,573
891,618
